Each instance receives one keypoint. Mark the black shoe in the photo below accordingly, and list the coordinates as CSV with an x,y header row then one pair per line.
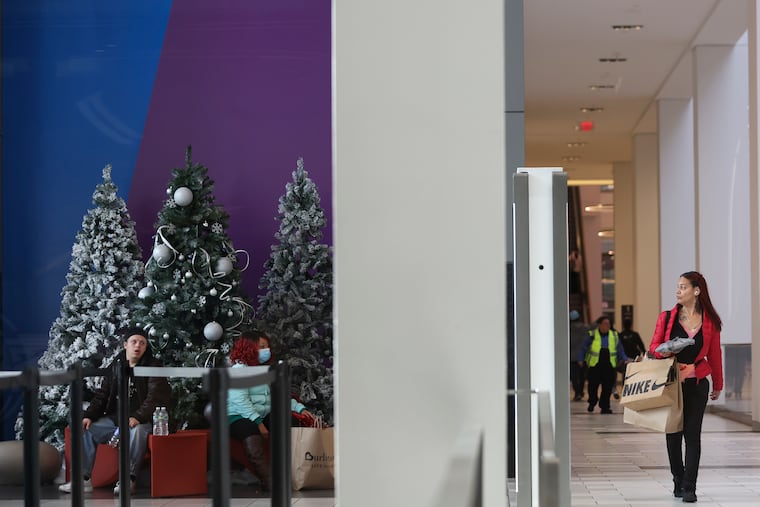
x,y
616,395
689,497
578,397
606,411
677,490
590,407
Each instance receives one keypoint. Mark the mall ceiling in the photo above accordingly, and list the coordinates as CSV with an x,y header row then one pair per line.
x,y
608,61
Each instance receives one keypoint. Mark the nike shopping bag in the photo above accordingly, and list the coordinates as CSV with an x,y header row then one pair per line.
x,y
668,419
651,383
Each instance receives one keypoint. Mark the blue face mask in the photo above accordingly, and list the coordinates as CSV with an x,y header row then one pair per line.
x,y
264,355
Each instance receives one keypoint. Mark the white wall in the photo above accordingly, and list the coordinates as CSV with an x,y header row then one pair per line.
x,y
419,245
678,242
722,175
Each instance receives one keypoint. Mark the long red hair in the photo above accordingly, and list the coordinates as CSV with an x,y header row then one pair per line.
x,y
703,298
246,349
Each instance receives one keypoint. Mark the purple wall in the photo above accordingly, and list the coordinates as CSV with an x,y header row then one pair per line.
x,y
247,84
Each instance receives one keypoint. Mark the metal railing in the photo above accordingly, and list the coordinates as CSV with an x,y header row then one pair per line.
x,y
549,463
216,381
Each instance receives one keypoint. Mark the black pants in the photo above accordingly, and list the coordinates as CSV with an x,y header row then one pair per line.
x,y
694,403
244,428
605,375
577,378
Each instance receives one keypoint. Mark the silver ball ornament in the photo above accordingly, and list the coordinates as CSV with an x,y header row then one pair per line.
x,y
174,297
145,292
229,313
224,265
166,336
188,274
153,331
212,292
212,331
162,253
150,283
183,196
169,191
181,257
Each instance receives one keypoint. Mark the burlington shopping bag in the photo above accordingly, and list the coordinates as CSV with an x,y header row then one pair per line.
x,y
668,419
651,383
313,458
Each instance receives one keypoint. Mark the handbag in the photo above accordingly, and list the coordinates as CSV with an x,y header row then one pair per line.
x,y
312,457
667,419
651,383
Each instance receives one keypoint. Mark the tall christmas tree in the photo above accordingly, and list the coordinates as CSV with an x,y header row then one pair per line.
x,y
104,277
192,306
296,310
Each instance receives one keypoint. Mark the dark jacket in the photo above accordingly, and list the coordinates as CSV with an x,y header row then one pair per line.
x,y
151,392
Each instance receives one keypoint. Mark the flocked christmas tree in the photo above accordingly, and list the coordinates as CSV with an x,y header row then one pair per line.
x,y
296,309
192,306
104,277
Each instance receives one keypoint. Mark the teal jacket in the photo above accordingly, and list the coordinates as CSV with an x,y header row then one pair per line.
x,y
253,403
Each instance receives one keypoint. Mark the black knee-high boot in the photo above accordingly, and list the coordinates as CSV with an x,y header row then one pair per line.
x,y
254,448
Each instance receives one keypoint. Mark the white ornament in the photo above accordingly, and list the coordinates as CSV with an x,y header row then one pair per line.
x,y
224,265
162,253
229,313
183,196
153,331
174,297
188,275
193,311
212,292
145,292
169,191
150,283
181,257
212,331
166,336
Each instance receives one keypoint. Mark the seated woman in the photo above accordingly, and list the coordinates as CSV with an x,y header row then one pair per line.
x,y
248,409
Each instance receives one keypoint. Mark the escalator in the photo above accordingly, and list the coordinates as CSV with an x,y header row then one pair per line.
x,y
578,295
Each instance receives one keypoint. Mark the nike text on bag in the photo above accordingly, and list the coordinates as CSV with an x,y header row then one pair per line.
x,y
667,419
650,383
313,458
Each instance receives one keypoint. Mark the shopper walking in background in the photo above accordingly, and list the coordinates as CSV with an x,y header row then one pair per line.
x,y
578,334
600,354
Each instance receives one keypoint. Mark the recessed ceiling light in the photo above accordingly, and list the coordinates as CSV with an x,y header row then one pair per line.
x,y
592,109
571,158
601,87
600,208
576,144
627,28
614,59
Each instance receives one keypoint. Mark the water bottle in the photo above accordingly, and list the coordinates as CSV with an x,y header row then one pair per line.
x,y
114,441
164,421
156,424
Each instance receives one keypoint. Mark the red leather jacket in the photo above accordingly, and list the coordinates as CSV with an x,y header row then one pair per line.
x,y
709,360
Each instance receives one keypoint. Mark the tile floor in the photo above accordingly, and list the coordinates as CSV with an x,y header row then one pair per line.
x,y
613,464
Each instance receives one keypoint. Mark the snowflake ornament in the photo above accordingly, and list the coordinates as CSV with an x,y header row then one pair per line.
x,y
217,228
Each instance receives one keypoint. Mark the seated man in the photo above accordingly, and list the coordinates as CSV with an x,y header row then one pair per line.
x,y
100,418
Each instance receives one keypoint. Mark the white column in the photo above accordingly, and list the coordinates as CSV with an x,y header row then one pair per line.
x,y
625,274
722,183
675,123
646,231
418,98
754,210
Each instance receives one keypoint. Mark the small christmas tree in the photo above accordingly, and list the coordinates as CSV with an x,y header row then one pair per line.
x,y
296,310
193,306
103,280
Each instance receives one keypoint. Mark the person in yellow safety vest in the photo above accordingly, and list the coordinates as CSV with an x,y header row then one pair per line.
x,y
600,354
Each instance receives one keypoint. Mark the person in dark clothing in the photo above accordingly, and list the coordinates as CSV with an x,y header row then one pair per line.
x,y
632,343
694,317
578,334
100,418
600,353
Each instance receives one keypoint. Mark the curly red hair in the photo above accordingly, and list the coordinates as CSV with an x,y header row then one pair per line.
x,y
246,349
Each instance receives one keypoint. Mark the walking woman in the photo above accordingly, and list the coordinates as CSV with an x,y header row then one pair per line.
x,y
693,316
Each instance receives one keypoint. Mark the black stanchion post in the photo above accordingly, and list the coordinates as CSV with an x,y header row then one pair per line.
x,y
123,384
31,437
220,438
77,433
281,435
